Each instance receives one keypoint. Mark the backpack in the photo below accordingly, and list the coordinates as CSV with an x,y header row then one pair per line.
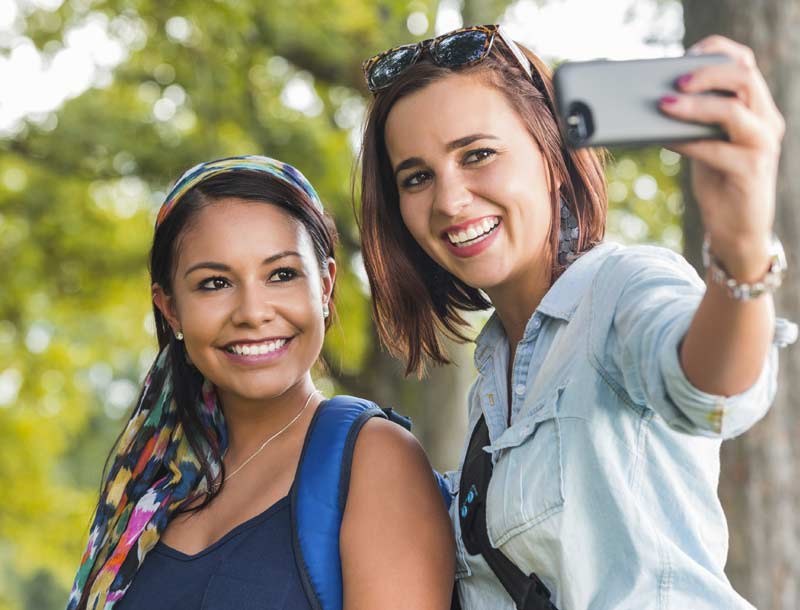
x,y
320,490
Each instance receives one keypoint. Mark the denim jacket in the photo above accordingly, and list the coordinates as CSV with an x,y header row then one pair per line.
x,y
605,483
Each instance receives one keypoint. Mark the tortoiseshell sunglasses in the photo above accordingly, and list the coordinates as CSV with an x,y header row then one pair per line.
x,y
460,47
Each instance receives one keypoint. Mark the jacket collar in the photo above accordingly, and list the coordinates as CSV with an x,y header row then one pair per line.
x,y
560,301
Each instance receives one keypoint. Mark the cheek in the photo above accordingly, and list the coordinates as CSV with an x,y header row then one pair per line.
x,y
301,308
524,178
199,316
531,189
415,214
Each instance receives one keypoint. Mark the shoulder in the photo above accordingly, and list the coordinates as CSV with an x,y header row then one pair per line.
x,y
396,541
384,448
389,460
632,259
643,266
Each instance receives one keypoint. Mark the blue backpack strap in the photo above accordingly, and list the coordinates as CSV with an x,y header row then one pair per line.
x,y
444,488
319,493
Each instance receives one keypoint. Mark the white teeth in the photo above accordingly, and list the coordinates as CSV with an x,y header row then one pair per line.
x,y
257,350
473,232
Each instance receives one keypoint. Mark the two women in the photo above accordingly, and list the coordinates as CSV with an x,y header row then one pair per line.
x,y
607,376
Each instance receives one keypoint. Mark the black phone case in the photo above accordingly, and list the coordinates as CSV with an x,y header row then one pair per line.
x,y
615,103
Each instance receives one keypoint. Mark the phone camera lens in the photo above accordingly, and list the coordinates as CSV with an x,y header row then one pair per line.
x,y
579,125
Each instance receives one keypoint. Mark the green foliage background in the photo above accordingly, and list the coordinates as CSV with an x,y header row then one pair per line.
x,y
78,194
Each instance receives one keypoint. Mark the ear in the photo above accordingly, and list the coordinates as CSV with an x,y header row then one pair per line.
x,y
549,171
328,279
166,305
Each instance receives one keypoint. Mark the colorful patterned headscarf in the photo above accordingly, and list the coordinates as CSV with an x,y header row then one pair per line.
x,y
204,171
154,471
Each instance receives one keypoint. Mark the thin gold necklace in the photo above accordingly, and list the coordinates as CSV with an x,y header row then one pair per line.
x,y
273,437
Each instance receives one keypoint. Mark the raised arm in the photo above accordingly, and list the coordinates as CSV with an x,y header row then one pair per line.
x,y
396,542
734,181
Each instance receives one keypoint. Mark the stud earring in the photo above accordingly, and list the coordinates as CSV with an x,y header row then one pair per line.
x,y
179,335
325,311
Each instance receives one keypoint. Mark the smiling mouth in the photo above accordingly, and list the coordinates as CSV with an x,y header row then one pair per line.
x,y
474,234
257,349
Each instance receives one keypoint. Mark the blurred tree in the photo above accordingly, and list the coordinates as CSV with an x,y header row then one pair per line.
x,y
645,199
758,484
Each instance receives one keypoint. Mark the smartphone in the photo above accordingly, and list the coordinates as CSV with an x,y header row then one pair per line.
x,y
615,103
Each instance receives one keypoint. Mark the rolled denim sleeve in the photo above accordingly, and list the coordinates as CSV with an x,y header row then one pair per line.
x,y
652,295
721,416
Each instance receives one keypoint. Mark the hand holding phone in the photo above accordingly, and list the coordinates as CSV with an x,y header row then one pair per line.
x,y
616,103
733,138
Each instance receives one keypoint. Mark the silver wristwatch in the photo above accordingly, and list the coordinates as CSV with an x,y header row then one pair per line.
x,y
770,281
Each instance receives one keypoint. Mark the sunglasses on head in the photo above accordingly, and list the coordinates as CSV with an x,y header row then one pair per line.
x,y
461,47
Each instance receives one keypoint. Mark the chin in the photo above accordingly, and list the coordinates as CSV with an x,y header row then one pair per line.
x,y
255,393
482,279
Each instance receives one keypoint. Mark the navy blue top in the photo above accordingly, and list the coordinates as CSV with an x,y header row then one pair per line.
x,y
252,567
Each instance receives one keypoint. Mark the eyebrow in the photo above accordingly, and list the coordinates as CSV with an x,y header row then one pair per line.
x,y
223,267
451,146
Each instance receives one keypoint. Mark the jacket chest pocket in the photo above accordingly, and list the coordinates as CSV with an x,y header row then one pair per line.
x,y
527,485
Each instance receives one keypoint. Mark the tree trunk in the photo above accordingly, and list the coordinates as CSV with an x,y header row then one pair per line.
x,y
758,485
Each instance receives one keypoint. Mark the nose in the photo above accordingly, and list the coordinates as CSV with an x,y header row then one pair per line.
x,y
253,306
452,193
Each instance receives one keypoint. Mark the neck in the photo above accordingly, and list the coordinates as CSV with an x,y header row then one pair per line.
x,y
516,299
250,422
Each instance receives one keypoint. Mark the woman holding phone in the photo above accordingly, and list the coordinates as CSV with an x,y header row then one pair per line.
x,y
607,375
201,506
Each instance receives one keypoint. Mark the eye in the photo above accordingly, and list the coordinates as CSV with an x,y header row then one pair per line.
x,y
284,274
415,179
476,156
211,284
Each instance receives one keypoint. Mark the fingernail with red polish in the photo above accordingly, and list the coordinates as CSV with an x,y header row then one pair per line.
x,y
684,80
668,100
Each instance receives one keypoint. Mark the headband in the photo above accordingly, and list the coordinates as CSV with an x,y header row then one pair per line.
x,y
203,171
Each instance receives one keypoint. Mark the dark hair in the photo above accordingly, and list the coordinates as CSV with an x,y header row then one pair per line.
x,y
413,298
243,184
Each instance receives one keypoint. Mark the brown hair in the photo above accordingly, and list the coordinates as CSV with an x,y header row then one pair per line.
x,y
413,298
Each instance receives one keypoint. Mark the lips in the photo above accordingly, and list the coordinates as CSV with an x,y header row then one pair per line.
x,y
257,347
473,237
257,353
470,231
